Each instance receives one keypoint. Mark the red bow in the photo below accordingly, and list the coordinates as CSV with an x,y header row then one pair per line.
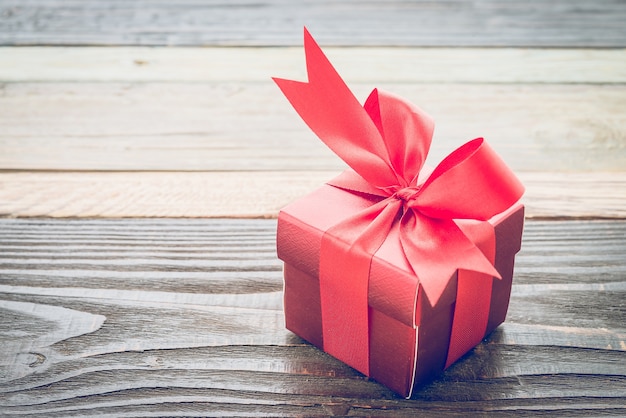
x,y
386,142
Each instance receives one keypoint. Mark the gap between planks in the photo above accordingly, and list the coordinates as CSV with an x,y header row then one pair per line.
x,y
260,194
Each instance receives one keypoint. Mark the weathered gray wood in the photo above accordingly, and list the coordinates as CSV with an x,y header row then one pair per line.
x,y
218,111
251,126
183,317
360,64
549,195
280,22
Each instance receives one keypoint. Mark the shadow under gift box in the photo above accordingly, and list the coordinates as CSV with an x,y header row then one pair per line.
x,y
408,337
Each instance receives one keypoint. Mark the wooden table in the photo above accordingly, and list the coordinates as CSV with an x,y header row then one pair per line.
x,y
144,154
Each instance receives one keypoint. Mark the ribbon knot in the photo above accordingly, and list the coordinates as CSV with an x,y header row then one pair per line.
x,y
386,142
407,194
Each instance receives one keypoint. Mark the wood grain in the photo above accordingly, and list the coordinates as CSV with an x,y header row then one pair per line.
x,y
183,317
260,193
357,65
278,22
251,126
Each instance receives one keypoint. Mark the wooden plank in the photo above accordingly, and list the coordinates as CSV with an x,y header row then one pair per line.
x,y
260,193
278,22
251,126
183,317
363,64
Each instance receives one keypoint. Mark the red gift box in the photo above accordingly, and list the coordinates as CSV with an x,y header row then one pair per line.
x,y
395,269
409,338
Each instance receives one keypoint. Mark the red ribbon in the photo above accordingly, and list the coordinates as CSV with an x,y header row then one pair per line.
x,y
386,142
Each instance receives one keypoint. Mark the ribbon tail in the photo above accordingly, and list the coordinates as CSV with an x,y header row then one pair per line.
x,y
330,109
474,292
436,248
436,260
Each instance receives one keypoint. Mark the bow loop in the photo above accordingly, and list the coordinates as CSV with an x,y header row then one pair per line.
x,y
406,131
471,183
